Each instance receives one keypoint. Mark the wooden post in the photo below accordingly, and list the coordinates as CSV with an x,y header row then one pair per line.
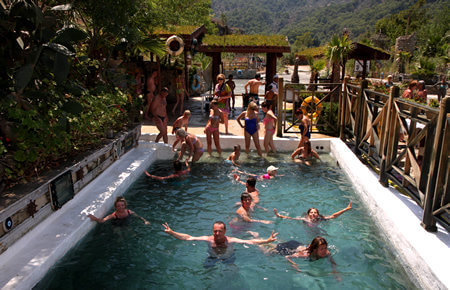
x,y
271,68
280,114
216,60
359,116
343,108
428,221
389,126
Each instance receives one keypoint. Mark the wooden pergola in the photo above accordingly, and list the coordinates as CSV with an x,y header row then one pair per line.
x,y
273,46
364,52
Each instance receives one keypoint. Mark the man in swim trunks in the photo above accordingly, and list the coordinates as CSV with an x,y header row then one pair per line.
x,y
246,209
159,113
254,89
218,241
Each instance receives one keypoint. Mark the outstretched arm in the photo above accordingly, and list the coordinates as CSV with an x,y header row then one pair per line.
x,y
284,216
181,236
238,179
336,214
99,220
141,218
296,152
270,239
247,218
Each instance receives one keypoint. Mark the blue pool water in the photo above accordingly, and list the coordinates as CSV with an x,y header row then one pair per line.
x,y
144,257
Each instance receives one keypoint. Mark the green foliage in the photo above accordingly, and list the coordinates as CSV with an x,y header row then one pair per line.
x,y
434,103
235,40
328,118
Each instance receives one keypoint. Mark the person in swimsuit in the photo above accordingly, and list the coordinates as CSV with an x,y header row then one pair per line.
x,y
189,142
121,212
305,154
271,173
304,127
181,121
270,97
244,212
159,113
232,86
253,84
313,216
270,123
223,94
151,87
234,156
180,90
317,249
251,126
178,167
212,127
218,242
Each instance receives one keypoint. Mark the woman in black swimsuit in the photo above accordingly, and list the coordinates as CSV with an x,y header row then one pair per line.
x,y
121,212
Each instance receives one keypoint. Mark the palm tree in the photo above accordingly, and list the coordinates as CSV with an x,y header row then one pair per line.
x,y
315,66
337,50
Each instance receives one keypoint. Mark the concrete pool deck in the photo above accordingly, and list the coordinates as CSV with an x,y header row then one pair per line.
x,y
424,255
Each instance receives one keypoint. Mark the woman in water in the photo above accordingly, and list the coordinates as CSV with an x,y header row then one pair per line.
x,y
234,156
317,249
212,127
223,93
270,123
251,126
305,154
178,166
313,216
189,142
121,213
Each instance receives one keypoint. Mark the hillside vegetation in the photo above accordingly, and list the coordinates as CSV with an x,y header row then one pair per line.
x,y
320,18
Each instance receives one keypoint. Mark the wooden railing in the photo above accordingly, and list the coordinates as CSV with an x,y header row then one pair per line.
x,y
407,142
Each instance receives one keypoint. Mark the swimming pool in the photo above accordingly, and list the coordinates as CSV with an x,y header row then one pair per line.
x,y
143,257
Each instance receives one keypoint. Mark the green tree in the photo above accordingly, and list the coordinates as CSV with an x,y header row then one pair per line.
x,y
337,50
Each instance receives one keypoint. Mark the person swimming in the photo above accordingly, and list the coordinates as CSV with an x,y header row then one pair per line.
x,y
234,156
313,216
271,173
121,213
305,154
218,242
178,167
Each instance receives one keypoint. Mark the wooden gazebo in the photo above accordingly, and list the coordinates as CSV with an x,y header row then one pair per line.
x,y
364,52
274,46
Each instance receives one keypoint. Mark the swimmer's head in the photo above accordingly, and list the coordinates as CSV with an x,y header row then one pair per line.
x,y
318,248
237,148
313,213
187,113
272,170
181,133
246,199
177,165
251,181
120,203
219,230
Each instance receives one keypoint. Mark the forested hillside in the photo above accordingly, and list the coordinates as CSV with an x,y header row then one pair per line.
x,y
319,17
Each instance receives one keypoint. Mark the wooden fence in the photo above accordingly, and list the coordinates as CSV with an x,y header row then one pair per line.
x,y
407,142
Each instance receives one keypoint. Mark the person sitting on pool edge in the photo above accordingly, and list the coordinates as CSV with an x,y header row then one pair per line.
x,y
121,212
305,154
313,216
218,242
317,249
246,210
177,166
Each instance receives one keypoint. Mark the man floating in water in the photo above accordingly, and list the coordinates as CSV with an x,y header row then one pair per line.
x,y
218,242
